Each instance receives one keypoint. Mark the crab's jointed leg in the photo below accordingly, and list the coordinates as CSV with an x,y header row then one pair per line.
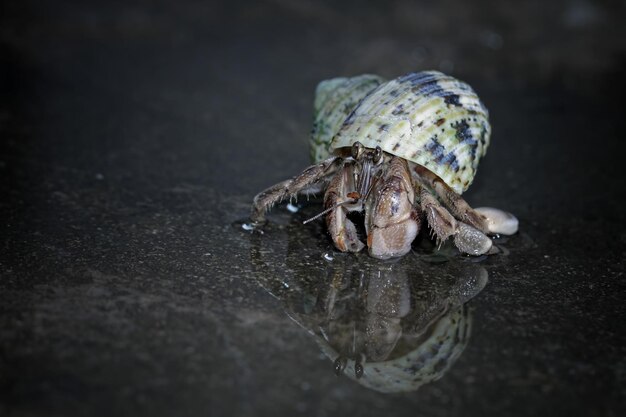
x,y
289,188
340,228
467,238
453,201
485,219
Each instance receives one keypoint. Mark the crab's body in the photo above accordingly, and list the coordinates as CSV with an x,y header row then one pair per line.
x,y
397,150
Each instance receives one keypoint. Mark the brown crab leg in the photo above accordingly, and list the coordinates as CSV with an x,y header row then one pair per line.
x,y
289,188
341,229
466,237
486,219
453,201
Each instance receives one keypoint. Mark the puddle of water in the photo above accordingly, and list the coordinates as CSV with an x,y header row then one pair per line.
x,y
391,326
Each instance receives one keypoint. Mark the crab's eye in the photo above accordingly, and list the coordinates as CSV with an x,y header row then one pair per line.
x,y
357,150
378,155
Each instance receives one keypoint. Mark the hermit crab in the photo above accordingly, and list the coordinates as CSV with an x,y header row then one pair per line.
x,y
400,152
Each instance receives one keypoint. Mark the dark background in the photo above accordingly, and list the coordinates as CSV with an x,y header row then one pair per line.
x,y
134,136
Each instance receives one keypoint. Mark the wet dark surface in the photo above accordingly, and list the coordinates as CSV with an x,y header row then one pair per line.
x,y
133,138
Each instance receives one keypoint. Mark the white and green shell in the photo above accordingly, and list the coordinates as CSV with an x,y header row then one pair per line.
x,y
428,118
335,99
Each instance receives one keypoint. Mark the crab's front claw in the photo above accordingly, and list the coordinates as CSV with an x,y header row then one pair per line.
x,y
499,221
391,221
343,232
393,240
340,227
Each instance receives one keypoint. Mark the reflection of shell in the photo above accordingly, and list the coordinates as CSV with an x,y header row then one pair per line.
x,y
428,118
428,362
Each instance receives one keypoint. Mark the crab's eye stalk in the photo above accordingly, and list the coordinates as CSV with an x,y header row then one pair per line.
x,y
378,155
357,150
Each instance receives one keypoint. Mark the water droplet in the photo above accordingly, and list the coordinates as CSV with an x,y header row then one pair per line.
x,y
292,208
247,227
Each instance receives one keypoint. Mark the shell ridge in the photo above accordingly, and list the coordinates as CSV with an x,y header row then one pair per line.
x,y
352,113
334,100
427,118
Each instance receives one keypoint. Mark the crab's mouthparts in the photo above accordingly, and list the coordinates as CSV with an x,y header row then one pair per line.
x,y
363,184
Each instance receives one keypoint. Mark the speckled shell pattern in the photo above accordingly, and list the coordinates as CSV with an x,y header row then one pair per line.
x,y
428,118
425,363
335,99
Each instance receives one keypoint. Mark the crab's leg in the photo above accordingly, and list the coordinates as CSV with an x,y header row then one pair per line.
x,y
487,220
264,200
391,220
341,229
467,238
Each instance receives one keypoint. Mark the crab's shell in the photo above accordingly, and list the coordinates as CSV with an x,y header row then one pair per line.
x,y
334,101
428,118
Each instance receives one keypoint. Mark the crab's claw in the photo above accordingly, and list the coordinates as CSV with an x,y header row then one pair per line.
x,y
390,219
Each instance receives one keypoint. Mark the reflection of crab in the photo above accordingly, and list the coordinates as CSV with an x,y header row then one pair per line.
x,y
400,147
393,336
391,326
388,329
441,344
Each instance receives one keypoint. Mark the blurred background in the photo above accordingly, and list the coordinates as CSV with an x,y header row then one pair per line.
x,y
133,136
